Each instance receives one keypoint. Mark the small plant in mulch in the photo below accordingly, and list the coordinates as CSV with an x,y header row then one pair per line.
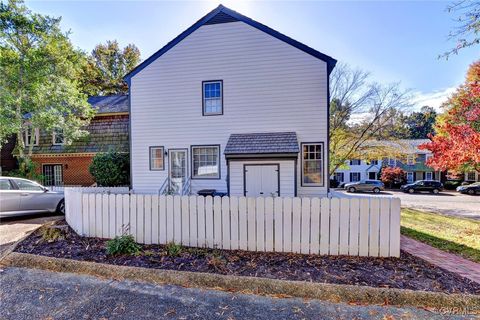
x,y
123,245
173,250
216,261
52,233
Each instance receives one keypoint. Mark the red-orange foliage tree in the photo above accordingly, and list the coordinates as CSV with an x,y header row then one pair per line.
x,y
391,176
456,144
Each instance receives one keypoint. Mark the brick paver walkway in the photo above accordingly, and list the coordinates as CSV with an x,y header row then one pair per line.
x,y
442,259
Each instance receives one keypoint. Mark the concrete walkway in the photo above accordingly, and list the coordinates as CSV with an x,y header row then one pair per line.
x,y
37,294
451,262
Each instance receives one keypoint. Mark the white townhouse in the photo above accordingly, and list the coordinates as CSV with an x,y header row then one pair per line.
x,y
234,106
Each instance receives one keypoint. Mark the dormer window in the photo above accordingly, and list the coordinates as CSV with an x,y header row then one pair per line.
x,y
58,137
30,135
212,95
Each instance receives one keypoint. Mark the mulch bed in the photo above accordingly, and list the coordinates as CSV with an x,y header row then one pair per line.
x,y
406,272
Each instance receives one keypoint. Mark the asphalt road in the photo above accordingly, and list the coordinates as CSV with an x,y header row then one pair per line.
x,y
13,229
36,294
450,203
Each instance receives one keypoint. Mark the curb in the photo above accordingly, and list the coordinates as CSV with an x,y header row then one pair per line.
x,y
263,286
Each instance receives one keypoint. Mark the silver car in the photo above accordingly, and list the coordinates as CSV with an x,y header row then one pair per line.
x,y
374,186
21,197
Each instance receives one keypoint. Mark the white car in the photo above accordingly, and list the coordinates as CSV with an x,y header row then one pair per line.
x,y
21,197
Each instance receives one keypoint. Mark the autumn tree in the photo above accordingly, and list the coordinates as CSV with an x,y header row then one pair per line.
x,y
107,64
456,144
359,109
393,176
39,68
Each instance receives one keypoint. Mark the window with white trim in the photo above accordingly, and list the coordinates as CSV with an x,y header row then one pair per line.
x,y
354,176
411,159
410,177
428,175
338,176
205,162
471,176
312,164
157,158
212,92
58,138
355,162
28,134
392,161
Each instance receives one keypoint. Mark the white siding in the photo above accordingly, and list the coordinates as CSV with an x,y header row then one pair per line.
x,y
268,86
287,176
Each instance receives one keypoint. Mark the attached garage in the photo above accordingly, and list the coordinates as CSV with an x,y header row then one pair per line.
x,y
262,164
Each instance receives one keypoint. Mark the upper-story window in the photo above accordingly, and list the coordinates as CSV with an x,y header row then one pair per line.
x,y
58,138
212,92
373,162
411,159
28,136
355,162
392,161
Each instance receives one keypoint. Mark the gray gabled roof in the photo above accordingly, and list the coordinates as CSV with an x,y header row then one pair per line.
x,y
222,14
262,143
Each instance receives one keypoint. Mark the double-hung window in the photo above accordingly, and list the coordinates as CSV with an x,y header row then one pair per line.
x,y
212,92
31,135
354,176
205,162
312,164
411,159
355,162
58,137
157,158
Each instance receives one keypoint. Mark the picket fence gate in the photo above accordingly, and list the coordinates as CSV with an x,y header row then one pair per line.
x,y
336,226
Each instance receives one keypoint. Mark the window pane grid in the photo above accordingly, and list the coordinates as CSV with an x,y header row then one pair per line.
x,y
212,97
312,164
205,162
156,158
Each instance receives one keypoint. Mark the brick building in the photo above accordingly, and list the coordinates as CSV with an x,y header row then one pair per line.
x,y
67,164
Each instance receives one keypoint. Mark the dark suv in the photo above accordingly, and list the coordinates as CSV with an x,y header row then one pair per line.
x,y
423,185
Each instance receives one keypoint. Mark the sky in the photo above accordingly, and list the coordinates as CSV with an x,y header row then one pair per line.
x,y
396,41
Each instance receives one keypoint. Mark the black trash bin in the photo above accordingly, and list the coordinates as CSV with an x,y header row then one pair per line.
x,y
207,192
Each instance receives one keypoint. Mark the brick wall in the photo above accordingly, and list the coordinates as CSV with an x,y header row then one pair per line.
x,y
74,167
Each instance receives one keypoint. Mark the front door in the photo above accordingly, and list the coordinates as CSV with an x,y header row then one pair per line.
x,y
52,175
177,169
262,180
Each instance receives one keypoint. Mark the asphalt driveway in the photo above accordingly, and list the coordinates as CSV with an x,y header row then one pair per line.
x,y
447,202
37,294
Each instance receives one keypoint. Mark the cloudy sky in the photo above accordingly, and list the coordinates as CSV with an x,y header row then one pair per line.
x,y
397,41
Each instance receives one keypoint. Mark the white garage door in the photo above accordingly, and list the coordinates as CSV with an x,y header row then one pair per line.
x,y
262,180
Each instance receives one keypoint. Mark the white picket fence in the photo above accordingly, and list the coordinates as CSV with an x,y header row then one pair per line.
x,y
347,226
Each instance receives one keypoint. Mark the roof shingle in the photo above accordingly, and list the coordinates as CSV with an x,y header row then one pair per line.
x,y
262,143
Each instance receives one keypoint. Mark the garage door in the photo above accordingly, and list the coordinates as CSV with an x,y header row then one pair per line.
x,y
262,180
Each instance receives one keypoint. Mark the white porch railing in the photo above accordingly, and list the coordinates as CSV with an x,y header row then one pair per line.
x,y
347,226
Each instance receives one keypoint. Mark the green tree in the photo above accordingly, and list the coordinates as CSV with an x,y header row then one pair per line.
x,y
39,69
107,64
421,124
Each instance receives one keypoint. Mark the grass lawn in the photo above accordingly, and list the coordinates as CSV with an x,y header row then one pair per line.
x,y
456,235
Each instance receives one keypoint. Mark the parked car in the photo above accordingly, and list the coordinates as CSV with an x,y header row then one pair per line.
x,y
471,189
423,185
368,185
21,197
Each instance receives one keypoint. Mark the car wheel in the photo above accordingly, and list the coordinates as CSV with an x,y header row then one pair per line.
x,y
376,190
471,192
411,191
435,191
351,189
61,207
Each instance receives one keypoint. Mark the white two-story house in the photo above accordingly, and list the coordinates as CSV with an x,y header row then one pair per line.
x,y
231,105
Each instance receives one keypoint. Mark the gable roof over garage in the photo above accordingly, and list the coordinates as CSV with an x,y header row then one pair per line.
x,y
222,14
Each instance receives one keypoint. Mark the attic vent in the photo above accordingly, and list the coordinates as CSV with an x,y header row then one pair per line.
x,y
221,17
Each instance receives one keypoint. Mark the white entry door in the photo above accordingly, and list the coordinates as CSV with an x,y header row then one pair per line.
x,y
177,169
262,180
